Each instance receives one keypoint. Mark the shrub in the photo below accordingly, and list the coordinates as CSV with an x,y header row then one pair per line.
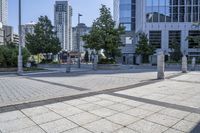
x,y
106,61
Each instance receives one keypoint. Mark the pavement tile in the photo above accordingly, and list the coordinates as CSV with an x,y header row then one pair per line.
x,y
122,119
170,130
46,117
89,106
35,111
58,106
91,99
77,130
103,112
112,98
125,130
104,103
138,112
119,107
150,107
132,103
16,125
8,116
83,118
75,102
193,117
163,119
144,126
185,126
102,126
34,129
58,126
174,113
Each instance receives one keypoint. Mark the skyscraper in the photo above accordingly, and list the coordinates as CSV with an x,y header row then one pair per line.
x,y
63,24
27,28
4,11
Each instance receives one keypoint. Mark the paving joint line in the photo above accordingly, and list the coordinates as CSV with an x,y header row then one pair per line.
x,y
78,96
154,102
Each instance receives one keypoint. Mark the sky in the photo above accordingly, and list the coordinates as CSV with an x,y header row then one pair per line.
x,y
32,9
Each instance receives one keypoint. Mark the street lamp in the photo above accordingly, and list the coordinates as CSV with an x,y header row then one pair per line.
x,y
20,67
78,41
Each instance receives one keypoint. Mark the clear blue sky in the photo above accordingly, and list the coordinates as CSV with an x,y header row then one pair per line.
x,y
32,9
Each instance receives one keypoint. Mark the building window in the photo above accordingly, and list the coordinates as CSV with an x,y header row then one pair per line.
x,y
193,33
155,38
174,38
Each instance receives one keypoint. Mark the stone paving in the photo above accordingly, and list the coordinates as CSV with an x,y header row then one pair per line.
x,y
16,90
169,106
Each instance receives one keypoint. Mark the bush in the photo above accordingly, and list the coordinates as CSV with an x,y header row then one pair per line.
x,y
9,55
106,61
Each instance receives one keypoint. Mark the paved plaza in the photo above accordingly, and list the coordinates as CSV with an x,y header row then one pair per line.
x,y
105,102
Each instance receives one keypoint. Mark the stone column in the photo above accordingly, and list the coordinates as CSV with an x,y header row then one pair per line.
x,y
193,63
184,64
160,65
68,67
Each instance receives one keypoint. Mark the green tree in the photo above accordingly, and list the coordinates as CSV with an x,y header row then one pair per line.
x,y
143,47
86,57
176,53
44,39
104,35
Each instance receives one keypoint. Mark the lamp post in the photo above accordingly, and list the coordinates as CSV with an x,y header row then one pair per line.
x,y
78,41
20,69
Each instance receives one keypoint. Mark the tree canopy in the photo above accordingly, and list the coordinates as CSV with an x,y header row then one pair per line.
x,y
44,39
105,35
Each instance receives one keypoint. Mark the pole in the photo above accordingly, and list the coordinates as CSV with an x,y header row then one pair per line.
x,y
20,69
78,42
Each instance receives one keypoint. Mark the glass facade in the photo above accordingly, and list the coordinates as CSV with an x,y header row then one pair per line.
x,y
192,44
155,38
127,14
174,37
172,10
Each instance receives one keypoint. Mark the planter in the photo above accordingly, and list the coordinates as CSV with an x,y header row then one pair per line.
x,y
8,69
108,66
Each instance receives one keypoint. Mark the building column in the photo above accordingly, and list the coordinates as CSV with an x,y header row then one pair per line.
x,y
165,40
184,42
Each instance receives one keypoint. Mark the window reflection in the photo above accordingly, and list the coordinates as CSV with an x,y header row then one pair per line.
x,y
172,10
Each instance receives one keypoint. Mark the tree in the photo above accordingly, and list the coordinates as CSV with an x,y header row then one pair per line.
x,y
44,39
176,53
86,57
104,35
143,47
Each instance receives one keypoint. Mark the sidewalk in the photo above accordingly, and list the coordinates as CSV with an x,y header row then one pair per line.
x,y
170,106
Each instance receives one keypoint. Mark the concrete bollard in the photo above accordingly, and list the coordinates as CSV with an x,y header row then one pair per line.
x,y
184,64
193,63
68,67
95,62
160,65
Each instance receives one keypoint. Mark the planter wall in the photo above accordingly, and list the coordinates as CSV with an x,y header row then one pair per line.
x,y
108,66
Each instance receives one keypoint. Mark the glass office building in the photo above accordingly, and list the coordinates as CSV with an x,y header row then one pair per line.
x,y
164,21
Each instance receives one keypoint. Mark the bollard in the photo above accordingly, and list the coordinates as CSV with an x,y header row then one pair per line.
x,y
193,63
95,62
184,64
160,65
68,68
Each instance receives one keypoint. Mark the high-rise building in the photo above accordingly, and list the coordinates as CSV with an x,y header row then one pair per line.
x,y
4,11
164,21
63,24
83,29
1,34
27,28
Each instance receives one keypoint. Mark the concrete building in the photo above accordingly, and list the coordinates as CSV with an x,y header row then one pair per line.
x,y
27,28
4,11
8,33
83,29
164,21
63,24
